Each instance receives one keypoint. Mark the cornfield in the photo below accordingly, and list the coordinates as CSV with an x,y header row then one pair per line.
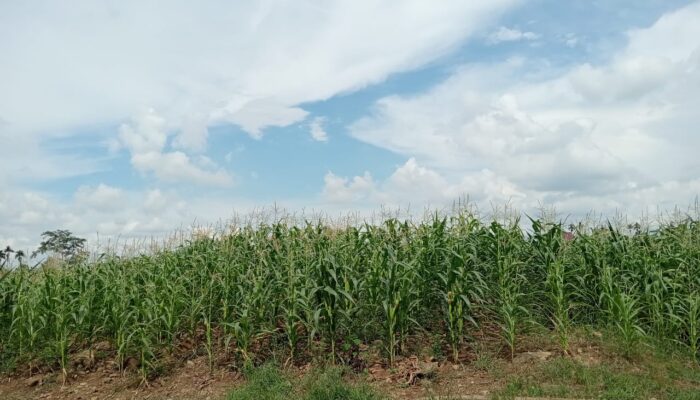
x,y
300,287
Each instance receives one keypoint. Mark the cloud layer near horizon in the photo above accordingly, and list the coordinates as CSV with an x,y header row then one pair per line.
x,y
621,135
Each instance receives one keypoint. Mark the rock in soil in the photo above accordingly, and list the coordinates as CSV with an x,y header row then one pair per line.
x,y
35,380
85,359
532,356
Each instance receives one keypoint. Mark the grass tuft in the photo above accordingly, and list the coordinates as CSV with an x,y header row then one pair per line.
x,y
269,383
264,383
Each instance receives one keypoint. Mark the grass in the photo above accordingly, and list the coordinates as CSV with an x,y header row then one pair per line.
x,y
269,383
654,369
265,383
485,362
654,377
329,385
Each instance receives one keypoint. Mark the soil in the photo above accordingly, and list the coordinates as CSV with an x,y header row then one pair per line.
x,y
415,377
190,381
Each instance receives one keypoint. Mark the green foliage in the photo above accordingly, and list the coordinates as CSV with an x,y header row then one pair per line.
x,y
61,243
329,385
264,383
268,383
565,378
315,289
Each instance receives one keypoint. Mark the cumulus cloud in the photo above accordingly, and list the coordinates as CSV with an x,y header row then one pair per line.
x,y
193,135
145,134
146,137
606,131
343,190
412,183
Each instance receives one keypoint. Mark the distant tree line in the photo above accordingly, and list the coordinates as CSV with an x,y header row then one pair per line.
x,y
59,244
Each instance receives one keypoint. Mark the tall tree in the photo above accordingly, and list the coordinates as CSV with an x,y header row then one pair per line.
x,y
60,242
5,256
20,256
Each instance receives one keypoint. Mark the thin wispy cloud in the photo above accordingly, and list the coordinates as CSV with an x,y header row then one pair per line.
x,y
317,130
504,34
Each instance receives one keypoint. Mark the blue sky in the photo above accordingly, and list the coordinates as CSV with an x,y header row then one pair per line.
x,y
127,119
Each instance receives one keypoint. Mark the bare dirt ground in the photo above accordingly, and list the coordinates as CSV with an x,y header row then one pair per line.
x,y
411,378
478,375
187,382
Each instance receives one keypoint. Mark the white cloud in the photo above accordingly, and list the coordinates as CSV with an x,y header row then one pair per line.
x,y
25,160
102,197
146,138
604,135
155,200
626,78
99,64
193,136
145,134
412,183
247,63
102,212
504,34
602,132
254,115
572,40
317,131
176,166
343,190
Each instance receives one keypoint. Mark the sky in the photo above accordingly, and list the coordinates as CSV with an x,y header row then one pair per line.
x,y
123,119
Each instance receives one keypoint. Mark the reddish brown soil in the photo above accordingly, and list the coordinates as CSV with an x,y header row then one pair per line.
x,y
414,377
188,382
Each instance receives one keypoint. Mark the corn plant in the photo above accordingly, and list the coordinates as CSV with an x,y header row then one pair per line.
x,y
331,297
298,285
690,320
503,245
548,247
461,285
